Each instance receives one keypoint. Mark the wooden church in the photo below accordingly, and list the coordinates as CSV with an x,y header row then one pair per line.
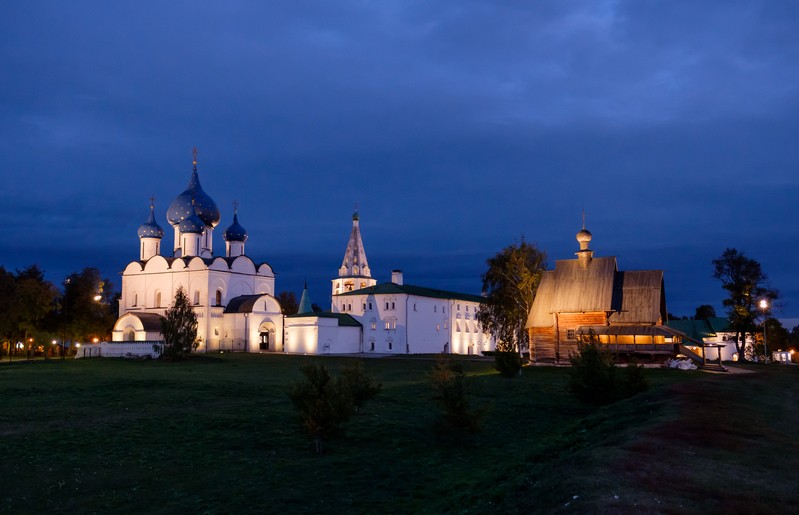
x,y
626,310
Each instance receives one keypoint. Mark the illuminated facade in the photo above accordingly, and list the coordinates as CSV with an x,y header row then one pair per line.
x,y
234,298
232,295
405,319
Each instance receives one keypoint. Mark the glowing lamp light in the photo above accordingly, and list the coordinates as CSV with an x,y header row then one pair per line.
x,y
763,304
77,345
95,340
97,298
54,342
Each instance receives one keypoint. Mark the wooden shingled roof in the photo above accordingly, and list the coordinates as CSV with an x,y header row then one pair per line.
x,y
636,297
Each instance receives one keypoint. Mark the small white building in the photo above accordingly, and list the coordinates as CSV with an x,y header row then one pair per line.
x,y
232,295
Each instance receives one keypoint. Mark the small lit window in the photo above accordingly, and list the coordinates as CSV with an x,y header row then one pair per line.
x,y
374,326
570,334
388,326
438,327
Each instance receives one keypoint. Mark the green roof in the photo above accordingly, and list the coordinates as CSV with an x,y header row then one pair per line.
x,y
700,329
344,320
419,291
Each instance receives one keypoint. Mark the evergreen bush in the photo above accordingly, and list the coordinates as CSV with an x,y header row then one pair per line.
x,y
508,363
449,383
322,402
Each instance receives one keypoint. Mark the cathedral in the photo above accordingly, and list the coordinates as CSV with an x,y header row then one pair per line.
x,y
234,297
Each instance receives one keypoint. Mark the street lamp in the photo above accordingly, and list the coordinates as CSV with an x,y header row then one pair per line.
x,y
764,307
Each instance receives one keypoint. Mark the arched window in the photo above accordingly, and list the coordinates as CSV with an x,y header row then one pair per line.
x,y
196,297
135,299
129,335
158,299
218,297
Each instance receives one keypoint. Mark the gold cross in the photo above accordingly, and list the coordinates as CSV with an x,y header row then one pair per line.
x,y
194,153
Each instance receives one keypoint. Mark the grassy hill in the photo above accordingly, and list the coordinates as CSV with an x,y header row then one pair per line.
x,y
217,434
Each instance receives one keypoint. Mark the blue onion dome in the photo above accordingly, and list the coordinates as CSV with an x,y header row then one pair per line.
x,y
235,232
150,228
204,206
192,224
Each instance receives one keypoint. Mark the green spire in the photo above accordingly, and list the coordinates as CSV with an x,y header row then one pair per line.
x,y
305,302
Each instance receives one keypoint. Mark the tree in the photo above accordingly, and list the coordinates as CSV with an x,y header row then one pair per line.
x,y
361,386
509,286
323,403
89,305
34,299
179,328
745,283
288,303
9,309
776,337
793,338
704,312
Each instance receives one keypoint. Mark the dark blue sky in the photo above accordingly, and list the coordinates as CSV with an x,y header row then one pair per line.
x,y
456,126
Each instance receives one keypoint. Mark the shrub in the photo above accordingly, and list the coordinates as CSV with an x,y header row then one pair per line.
x,y
595,379
634,380
323,403
592,377
361,386
450,389
508,363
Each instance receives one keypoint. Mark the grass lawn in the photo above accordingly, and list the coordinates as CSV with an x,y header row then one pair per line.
x,y
217,434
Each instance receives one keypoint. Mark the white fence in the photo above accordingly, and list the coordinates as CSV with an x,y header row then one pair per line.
x,y
120,350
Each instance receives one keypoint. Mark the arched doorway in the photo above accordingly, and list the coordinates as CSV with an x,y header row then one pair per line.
x,y
266,337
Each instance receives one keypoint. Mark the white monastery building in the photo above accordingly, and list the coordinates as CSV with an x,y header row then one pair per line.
x,y
234,297
394,318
